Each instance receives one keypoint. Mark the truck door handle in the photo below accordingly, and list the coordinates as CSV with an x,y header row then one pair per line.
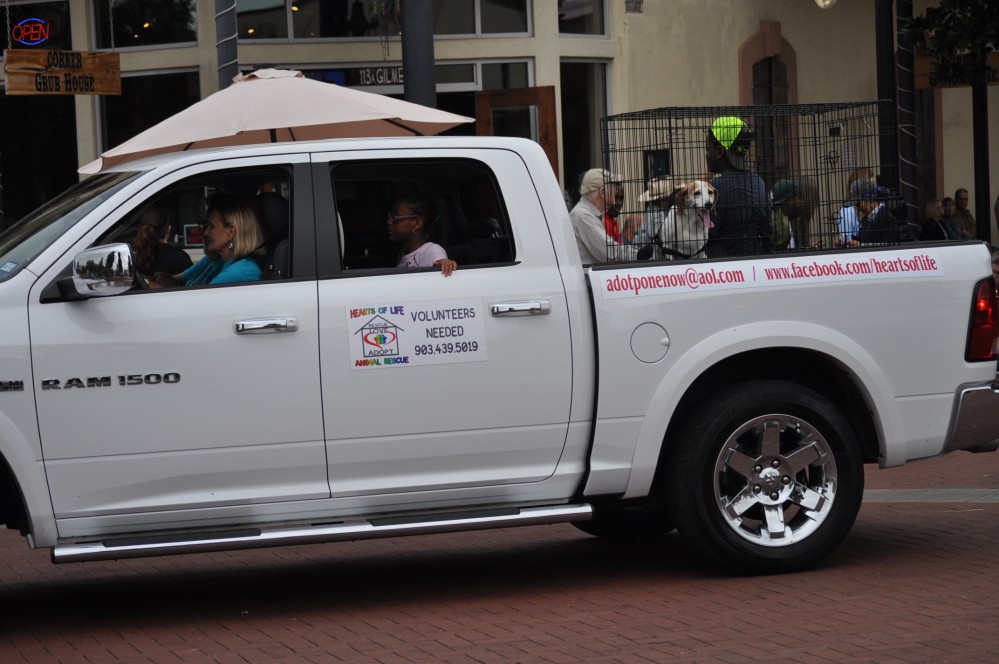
x,y
265,325
525,308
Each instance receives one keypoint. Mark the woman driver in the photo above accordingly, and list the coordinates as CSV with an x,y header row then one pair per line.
x,y
232,239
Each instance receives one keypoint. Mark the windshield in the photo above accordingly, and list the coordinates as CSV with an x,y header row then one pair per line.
x,y
22,242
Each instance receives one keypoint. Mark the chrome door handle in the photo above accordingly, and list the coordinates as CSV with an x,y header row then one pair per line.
x,y
265,325
525,308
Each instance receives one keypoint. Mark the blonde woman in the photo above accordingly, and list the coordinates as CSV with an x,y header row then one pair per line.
x,y
232,240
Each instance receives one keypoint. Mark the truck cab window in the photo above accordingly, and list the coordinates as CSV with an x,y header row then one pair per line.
x,y
170,232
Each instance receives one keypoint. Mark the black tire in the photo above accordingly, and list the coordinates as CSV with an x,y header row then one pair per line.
x,y
766,478
628,523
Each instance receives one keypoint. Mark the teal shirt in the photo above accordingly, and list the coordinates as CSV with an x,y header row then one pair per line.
x,y
217,271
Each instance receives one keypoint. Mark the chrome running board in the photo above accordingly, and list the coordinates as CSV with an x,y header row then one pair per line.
x,y
251,538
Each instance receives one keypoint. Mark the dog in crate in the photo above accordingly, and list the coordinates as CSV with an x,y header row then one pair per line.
x,y
681,219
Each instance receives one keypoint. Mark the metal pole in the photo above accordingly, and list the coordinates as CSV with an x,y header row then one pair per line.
x,y
3,215
885,57
225,41
907,112
980,137
419,85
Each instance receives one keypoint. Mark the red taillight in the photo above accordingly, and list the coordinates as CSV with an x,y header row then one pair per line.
x,y
984,323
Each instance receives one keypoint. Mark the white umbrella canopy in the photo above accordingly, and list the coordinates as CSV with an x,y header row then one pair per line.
x,y
274,105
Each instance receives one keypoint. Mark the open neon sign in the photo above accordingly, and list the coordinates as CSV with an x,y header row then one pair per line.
x,y
31,32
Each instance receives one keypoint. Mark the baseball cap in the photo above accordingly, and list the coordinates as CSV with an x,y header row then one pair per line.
x,y
877,193
860,189
784,191
734,136
595,178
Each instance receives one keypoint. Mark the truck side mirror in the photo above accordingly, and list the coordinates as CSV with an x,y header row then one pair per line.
x,y
99,272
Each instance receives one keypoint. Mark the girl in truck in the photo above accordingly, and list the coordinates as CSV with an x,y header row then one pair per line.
x,y
410,223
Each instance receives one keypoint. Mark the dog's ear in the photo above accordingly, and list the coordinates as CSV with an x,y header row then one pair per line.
x,y
683,195
671,199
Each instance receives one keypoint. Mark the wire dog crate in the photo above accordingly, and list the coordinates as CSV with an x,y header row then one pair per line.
x,y
814,151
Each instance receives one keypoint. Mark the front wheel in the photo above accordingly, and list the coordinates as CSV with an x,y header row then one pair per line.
x,y
766,478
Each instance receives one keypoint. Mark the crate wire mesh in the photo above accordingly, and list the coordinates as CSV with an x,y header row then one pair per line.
x,y
818,147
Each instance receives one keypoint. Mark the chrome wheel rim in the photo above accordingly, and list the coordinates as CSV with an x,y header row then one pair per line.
x,y
775,480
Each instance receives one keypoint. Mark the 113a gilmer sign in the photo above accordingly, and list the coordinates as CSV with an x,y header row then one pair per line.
x,y
62,72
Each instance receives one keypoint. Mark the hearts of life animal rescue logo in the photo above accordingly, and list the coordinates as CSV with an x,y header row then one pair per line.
x,y
379,338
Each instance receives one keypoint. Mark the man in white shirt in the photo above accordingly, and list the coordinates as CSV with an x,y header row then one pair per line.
x,y
598,190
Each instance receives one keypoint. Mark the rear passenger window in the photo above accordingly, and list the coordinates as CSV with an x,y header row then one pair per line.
x,y
469,219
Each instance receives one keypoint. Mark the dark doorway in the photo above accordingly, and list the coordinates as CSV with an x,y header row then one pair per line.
x,y
584,103
38,156
926,144
774,155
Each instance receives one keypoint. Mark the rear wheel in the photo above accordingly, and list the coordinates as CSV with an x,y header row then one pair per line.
x,y
766,478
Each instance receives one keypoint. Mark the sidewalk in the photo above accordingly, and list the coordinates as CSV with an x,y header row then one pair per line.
x,y
912,583
957,470
959,477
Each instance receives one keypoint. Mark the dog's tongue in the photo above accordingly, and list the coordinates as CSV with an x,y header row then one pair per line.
x,y
705,217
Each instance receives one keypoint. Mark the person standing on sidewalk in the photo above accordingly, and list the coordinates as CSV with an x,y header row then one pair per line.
x,y
965,220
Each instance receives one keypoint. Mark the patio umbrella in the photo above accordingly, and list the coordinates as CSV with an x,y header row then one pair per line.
x,y
272,105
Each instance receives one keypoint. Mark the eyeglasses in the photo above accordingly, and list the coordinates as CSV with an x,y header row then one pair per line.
x,y
396,218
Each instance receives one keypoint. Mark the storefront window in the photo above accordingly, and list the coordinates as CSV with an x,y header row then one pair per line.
x,y
581,17
455,74
323,19
145,101
262,19
505,75
316,19
39,25
142,23
452,18
312,19
503,16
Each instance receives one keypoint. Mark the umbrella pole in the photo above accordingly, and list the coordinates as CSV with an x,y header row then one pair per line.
x,y
402,126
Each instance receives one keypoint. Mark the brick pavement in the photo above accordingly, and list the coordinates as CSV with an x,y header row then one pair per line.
x,y
914,582
959,470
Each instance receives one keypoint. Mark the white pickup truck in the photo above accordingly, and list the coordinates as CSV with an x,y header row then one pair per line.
x,y
341,398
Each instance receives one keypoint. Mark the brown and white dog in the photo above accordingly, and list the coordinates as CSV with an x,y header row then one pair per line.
x,y
685,229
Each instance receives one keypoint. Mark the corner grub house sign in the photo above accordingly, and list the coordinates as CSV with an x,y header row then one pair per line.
x,y
61,72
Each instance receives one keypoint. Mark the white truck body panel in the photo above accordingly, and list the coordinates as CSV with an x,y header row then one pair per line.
x,y
245,447
902,379
498,419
